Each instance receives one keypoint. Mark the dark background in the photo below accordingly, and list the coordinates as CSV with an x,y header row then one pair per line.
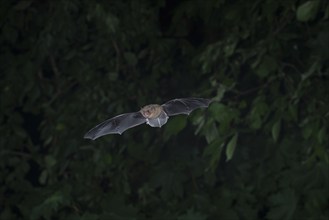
x,y
259,152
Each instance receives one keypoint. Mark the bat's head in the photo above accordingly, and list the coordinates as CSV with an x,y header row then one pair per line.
x,y
151,111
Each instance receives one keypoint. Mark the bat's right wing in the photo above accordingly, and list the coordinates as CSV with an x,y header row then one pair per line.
x,y
184,105
116,125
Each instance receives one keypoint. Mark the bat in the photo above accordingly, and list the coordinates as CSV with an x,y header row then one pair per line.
x,y
154,115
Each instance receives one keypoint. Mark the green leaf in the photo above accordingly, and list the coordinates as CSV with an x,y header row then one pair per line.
x,y
307,11
214,151
266,67
326,13
293,111
218,109
220,93
223,114
211,132
258,113
22,5
43,177
50,161
230,148
89,216
10,33
174,126
276,130
310,71
48,140
192,215
131,58
229,48
199,121
283,205
50,205
322,135
113,76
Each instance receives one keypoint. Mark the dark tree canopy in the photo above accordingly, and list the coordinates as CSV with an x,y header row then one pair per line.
x,y
260,151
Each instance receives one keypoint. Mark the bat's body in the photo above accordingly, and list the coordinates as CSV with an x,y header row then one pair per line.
x,y
154,115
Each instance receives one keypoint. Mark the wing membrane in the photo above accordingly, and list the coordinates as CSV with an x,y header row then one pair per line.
x,y
184,105
116,125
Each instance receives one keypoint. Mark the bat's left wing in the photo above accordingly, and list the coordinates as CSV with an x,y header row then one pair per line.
x,y
116,125
184,105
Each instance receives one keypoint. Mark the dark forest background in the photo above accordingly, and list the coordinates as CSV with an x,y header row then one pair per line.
x,y
259,152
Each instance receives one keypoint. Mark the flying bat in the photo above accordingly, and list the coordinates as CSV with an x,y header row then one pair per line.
x,y
154,115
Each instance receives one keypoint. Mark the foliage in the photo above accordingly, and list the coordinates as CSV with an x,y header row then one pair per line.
x,y
260,151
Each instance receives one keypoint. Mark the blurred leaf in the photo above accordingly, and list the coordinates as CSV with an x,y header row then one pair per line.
x,y
308,128
170,183
220,93
276,130
214,152
199,121
293,112
223,114
311,71
229,48
307,11
49,205
60,127
283,205
326,14
112,22
230,148
10,34
267,66
192,215
131,58
8,214
113,76
258,113
22,5
322,134
89,216
218,109
43,177
48,140
50,161
211,132
174,126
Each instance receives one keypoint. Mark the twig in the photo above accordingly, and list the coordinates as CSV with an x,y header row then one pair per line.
x,y
117,50
54,66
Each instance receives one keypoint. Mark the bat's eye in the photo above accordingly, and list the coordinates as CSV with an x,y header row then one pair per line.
x,y
147,112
